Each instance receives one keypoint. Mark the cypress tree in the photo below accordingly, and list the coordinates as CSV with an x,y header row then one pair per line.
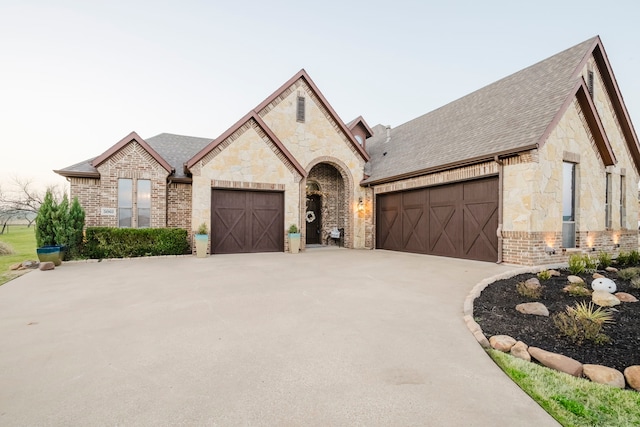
x,y
45,221
75,227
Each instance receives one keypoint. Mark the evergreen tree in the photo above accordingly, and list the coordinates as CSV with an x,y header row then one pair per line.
x,y
46,221
75,228
61,222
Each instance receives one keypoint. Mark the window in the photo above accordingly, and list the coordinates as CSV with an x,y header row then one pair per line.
x,y
125,202
300,109
623,202
607,201
144,203
130,214
568,205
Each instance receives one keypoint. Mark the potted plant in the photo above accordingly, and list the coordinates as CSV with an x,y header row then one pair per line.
x,y
202,239
294,239
47,224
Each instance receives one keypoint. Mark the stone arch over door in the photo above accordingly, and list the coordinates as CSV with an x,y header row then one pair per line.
x,y
336,193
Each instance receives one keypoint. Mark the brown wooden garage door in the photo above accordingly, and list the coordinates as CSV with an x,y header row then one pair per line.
x,y
457,220
246,221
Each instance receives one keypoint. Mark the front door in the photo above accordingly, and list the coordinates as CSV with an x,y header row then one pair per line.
x,y
313,219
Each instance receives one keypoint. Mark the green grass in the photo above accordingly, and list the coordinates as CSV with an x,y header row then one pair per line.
x,y
572,401
23,242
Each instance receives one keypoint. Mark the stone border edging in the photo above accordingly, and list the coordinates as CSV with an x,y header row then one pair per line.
x,y
467,309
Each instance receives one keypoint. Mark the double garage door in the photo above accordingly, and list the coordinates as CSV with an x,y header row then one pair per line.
x,y
246,221
456,220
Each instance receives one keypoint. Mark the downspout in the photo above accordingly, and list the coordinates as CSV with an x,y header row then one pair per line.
x,y
500,202
166,204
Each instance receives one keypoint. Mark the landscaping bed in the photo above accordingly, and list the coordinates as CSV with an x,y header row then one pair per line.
x,y
494,310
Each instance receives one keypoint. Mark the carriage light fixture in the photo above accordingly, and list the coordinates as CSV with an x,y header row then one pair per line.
x,y
549,250
360,205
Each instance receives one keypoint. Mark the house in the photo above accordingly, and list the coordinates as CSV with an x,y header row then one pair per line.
x,y
527,170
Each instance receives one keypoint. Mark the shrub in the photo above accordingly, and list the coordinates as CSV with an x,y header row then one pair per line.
x,y
629,273
634,258
106,242
635,283
534,292
576,264
61,223
623,259
583,322
75,225
293,229
604,259
202,229
544,275
577,290
5,249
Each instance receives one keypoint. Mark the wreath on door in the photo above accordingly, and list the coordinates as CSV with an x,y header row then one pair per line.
x,y
311,216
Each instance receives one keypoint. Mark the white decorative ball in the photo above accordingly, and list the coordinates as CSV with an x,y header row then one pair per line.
x,y
604,284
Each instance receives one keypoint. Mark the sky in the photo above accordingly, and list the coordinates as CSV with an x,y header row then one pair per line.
x,y
78,76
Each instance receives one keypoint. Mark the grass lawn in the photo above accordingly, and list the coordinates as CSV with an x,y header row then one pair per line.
x,y
23,242
572,401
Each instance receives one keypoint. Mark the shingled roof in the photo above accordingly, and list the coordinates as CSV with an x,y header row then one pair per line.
x,y
174,149
505,117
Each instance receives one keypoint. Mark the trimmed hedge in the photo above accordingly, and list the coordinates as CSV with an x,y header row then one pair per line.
x,y
107,242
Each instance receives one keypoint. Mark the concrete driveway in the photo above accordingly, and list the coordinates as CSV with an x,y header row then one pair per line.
x,y
329,337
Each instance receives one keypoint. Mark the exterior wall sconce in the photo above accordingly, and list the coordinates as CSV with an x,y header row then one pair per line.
x,y
360,205
593,249
549,250
617,245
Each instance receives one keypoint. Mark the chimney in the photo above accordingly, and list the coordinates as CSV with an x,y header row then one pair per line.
x,y
388,134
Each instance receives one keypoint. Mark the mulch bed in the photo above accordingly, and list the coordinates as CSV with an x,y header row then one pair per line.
x,y
495,312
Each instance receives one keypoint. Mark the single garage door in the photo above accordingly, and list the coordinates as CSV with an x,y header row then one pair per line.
x,y
246,221
457,220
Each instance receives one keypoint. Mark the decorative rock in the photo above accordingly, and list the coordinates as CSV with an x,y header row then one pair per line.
x,y
625,297
632,375
30,264
598,276
555,273
535,308
604,299
15,267
502,342
532,283
520,350
557,361
603,375
48,265
574,279
604,284
611,269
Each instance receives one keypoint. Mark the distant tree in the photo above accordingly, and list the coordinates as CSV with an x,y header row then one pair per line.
x,y
22,201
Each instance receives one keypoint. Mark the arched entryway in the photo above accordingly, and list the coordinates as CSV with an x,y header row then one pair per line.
x,y
326,211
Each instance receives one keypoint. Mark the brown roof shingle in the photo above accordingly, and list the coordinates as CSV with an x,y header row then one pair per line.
x,y
507,116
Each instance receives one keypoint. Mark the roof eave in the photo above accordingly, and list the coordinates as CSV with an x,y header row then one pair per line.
x,y
448,166
77,174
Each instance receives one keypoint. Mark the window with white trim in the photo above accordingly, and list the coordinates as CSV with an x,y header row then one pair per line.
x,y
568,205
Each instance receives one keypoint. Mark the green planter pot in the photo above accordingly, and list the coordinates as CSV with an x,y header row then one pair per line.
x,y
49,254
201,245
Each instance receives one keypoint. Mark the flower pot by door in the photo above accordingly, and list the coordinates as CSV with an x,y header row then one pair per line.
x,y
201,245
294,243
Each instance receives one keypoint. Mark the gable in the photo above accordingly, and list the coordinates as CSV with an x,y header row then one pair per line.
x,y
133,158
138,142
259,134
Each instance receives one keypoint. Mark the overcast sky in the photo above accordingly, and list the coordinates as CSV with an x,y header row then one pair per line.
x,y
77,76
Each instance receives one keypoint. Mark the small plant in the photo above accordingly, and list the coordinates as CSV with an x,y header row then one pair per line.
x,y
623,258
590,264
544,275
635,283
293,229
604,259
629,273
576,264
533,292
577,290
5,249
202,229
634,258
583,322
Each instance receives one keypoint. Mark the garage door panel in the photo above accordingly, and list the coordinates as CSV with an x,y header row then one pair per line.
x,y
457,220
246,221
